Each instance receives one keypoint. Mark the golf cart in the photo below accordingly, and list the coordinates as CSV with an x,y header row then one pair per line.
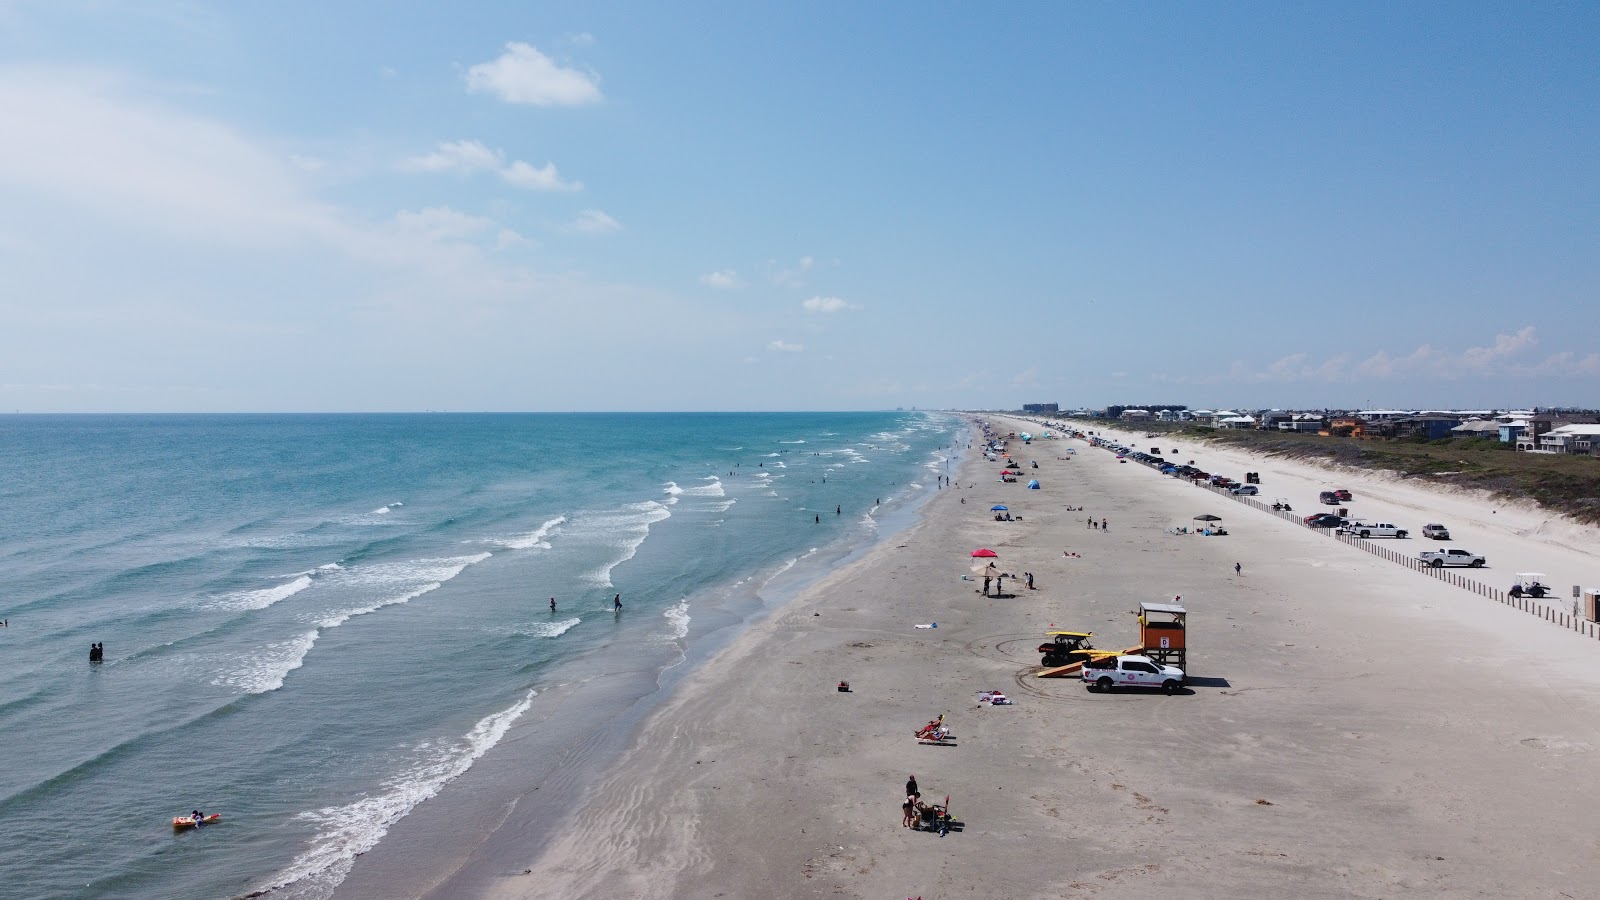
x,y
1530,584
1282,504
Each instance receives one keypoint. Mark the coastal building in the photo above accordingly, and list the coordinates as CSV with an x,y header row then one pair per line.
x,y
1041,409
1346,426
1303,422
1432,427
1136,415
1236,422
1578,438
1271,419
1477,428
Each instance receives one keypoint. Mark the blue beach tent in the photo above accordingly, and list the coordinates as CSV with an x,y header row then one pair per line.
x,y
1033,485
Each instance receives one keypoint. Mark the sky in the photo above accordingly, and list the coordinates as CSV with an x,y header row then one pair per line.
x,y
396,206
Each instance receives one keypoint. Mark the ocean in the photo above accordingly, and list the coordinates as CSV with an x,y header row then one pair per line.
x,y
317,625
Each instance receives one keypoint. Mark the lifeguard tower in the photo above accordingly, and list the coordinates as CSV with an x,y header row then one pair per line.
x,y
1161,631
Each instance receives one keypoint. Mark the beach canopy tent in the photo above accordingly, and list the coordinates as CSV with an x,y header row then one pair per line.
x,y
984,552
999,508
1033,485
1208,518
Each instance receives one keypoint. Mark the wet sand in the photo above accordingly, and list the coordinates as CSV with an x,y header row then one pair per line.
x,y
1356,730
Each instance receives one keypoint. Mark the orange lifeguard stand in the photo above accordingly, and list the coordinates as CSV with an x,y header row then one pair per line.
x,y
1161,631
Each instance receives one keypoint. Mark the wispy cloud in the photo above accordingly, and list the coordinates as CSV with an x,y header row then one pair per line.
x,y
722,279
785,347
1507,356
793,276
442,223
523,75
826,305
593,221
468,156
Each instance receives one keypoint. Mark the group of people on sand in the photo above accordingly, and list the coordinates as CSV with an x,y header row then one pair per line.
x,y
1098,524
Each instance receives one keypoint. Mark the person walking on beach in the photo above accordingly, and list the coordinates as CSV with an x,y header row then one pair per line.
x,y
1236,568
911,789
1029,576
908,812
1104,525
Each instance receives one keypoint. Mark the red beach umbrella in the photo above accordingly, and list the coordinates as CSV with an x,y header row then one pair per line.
x,y
985,552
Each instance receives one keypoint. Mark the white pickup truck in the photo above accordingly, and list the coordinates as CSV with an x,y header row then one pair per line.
x,y
1453,556
1374,529
1130,671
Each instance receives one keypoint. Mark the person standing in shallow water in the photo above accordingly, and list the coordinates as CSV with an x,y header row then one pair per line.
x,y
616,603
552,604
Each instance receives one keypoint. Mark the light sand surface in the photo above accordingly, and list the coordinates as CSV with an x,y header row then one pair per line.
x,y
1516,537
1359,730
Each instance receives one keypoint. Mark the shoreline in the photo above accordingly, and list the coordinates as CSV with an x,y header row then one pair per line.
x,y
552,755
1326,751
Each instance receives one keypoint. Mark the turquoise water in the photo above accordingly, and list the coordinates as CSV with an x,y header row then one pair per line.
x,y
314,623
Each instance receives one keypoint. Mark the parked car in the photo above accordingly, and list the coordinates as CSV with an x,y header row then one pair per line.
x,y
1436,531
1329,498
1343,495
1324,520
1375,529
1453,556
1244,489
1130,671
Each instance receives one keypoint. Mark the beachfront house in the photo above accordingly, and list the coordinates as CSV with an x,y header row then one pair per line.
x,y
1577,438
1477,428
1432,427
1136,415
1242,423
1270,419
1346,426
1303,422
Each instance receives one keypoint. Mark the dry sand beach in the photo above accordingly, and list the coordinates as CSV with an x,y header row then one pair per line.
x,y
1360,730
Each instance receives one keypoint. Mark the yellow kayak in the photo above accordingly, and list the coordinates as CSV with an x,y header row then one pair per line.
x,y
182,822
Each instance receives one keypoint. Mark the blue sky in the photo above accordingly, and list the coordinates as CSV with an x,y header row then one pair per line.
x,y
498,206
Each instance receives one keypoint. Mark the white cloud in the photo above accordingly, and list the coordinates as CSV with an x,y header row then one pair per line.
x,y
524,75
593,221
826,305
1505,357
722,279
785,347
473,156
795,276
581,39
544,178
455,156
442,223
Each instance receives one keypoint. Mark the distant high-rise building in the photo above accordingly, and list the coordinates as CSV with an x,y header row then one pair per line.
x,y
1041,408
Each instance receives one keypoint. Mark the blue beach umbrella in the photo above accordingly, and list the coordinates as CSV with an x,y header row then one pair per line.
x,y
996,508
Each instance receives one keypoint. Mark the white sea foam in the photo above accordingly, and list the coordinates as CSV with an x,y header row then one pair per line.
x,y
774,454
677,616
714,489
431,573
345,832
533,540
723,506
240,601
672,488
540,629
380,511
265,669
791,442
624,531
